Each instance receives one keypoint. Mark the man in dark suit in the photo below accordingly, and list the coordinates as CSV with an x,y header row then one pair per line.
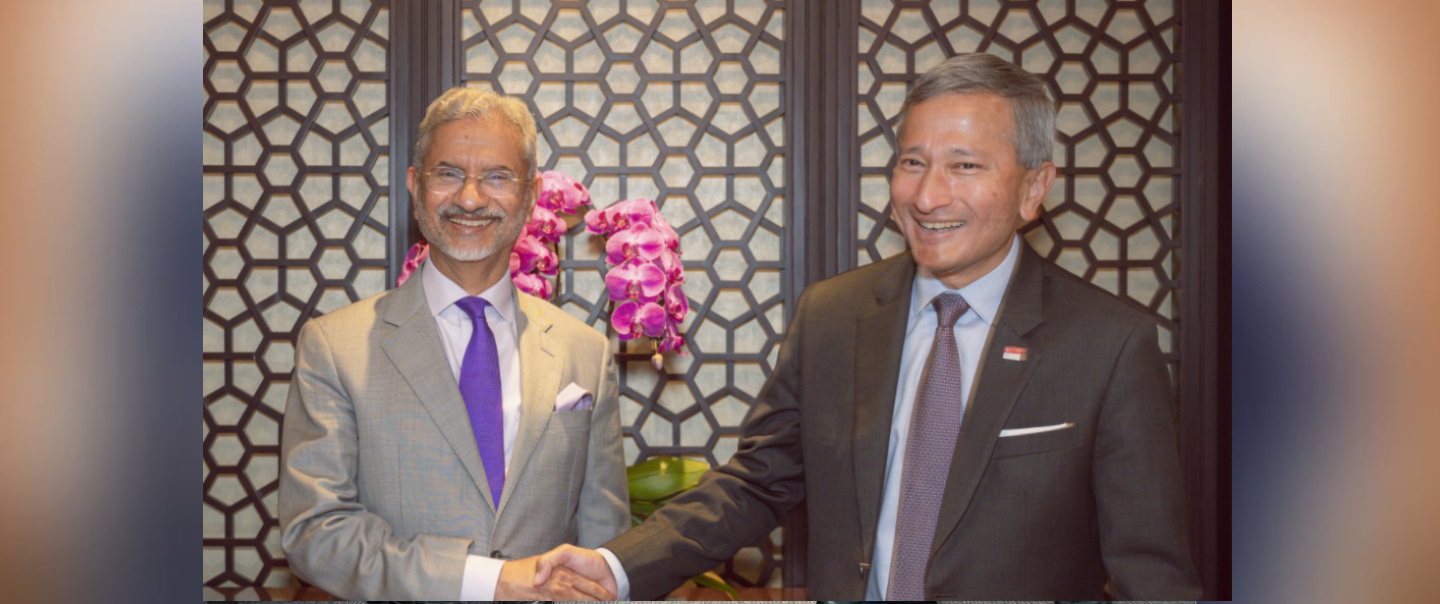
x,y
965,420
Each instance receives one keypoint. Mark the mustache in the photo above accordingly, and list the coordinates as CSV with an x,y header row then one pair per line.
x,y
455,212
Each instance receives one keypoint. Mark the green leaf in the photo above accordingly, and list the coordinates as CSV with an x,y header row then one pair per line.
x,y
658,478
713,581
644,509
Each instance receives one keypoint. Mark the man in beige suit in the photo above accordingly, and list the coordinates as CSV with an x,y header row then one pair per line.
x,y
439,433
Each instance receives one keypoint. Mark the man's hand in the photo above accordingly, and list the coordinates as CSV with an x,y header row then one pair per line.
x,y
518,581
587,563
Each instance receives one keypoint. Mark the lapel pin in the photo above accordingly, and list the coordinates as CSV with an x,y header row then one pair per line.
x,y
1016,353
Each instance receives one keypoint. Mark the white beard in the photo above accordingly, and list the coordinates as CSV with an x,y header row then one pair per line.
x,y
509,230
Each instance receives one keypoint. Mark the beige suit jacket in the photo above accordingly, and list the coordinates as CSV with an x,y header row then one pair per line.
x,y
382,491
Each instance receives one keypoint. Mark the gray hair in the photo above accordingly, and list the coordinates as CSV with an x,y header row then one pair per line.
x,y
1030,102
462,103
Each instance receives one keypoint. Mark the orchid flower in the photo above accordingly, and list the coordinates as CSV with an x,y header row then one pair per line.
x,y
545,225
672,240
638,241
632,211
646,274
672,342
526,253
534,285
650,319
670,263
560,193
417,255
533,255
676,304
598,222
635,280
623,319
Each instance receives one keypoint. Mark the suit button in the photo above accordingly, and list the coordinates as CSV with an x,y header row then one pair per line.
x,y
497,554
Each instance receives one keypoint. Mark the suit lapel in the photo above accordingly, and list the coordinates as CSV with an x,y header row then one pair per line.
x,y
880,336
419,356
541,359
999,385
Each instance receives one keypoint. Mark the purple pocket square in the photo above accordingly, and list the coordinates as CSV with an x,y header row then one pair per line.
x,y
574,398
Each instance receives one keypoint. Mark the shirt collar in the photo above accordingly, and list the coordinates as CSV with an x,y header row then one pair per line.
x,y
441,293
983,295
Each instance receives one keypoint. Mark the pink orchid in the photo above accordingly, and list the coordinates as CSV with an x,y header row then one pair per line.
x,y
545,225
634,319
670,263
598,222
651,319
676,304
632,211
638,241
623,319
417,255
528,251
547,262
646,275
635,280
534,285
668,235
673,341
560,193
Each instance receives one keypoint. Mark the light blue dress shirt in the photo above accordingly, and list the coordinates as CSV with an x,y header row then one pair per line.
x,y
972,331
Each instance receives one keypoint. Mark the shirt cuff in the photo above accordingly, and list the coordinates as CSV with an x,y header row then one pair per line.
x,y
481,577
622,581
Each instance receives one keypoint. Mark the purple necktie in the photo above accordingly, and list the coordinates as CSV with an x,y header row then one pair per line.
x,y
480,387
934,426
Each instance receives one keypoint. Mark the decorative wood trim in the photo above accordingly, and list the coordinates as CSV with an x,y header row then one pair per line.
x,y
820,60
425,41
1204,388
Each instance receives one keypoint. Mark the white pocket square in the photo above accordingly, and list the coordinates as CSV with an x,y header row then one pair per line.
x,y
1035,430
574,398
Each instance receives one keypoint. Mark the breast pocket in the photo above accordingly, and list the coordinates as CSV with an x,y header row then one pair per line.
x,y
1042,442
573,420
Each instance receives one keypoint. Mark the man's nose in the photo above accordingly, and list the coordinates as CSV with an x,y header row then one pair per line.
x,y
470,196
933,191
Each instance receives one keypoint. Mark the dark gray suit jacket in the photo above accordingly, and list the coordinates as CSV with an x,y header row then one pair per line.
x,y
1044,516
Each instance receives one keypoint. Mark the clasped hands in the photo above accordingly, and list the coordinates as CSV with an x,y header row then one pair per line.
x,y
564,573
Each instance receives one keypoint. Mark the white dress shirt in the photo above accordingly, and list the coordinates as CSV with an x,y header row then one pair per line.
x,y
481,573
972,331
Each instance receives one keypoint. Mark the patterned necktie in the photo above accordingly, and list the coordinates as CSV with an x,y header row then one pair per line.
x,y
480,387
934,426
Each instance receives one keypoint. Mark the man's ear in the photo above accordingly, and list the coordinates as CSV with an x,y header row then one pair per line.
x,y
412,181
1039,182
534,197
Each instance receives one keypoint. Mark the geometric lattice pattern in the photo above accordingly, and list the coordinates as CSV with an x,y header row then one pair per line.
x,y
681,103
642,104
296,208
1112,216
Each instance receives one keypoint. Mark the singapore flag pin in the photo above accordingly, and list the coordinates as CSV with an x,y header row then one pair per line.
x,y
1016,353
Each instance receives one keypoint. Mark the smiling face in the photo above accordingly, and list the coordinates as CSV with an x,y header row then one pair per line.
x,y
472,231
958,191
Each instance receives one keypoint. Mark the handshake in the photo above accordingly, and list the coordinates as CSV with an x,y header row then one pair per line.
x,y
564,573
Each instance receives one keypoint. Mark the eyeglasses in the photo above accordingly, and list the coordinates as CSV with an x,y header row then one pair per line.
x,y
495,183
